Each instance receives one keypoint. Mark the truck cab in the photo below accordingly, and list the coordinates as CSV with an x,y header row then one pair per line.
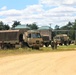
x,y
33,39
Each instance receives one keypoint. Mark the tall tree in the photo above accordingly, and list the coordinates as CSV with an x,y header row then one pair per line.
x,y
4,26
16,23
69,24
33,26
74,25
56,27
1,25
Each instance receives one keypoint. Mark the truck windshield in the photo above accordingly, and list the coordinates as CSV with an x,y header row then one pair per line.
x,y
34,35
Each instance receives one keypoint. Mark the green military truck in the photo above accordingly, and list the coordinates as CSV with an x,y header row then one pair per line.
x,y
17,38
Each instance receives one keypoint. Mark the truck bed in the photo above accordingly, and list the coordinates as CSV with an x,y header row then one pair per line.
x,y
9,35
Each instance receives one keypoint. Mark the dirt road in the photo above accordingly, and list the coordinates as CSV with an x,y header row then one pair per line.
x,y
50,63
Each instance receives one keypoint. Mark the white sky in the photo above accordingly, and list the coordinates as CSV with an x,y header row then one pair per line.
x,y
44,12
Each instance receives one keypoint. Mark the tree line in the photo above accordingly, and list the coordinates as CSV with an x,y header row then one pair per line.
x,y
15,23
71,26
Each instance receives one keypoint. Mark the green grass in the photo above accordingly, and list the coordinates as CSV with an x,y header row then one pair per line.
x,y
67,48
60,48
29,50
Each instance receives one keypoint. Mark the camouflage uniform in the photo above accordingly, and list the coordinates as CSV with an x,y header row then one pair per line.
x,y
54,44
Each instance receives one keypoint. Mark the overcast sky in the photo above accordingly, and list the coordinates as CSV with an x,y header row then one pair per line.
x,y
43,12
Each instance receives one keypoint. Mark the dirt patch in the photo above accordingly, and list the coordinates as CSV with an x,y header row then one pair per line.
x,y
50,63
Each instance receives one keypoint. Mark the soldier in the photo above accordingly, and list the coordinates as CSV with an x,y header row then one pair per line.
x,y
55,44
52,44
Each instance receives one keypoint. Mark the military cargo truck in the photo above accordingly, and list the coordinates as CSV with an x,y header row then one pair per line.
x,y
33,39
62,39
46,36
17,38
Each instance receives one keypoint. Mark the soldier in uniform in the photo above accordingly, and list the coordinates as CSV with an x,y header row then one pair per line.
x,y
54,44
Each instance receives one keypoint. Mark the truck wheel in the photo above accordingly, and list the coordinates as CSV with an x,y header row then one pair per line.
x,y
35,48
60,44
4,46
46,45
25,44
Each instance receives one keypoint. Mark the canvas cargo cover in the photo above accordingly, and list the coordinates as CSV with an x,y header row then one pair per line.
x,y
9,35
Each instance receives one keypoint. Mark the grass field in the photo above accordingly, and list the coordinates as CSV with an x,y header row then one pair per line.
x,y
29,50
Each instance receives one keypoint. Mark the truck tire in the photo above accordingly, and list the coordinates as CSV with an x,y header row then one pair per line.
x,y
46,44
35,47
4,46
25,44
61,44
